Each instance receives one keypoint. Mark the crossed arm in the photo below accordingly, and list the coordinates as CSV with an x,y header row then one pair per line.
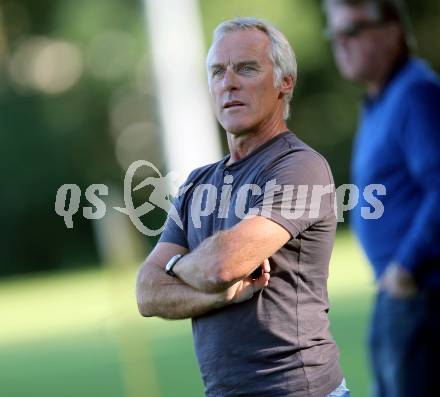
x,y
214,275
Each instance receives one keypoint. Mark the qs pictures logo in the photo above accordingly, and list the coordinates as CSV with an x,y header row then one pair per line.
x,y
292,201
68,198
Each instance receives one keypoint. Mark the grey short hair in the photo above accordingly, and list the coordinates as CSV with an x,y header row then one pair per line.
x,y
281,53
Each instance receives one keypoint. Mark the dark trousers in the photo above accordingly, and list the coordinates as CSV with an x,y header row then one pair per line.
x,y
405,345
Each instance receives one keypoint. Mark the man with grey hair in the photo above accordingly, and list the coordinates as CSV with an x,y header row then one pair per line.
x,y
397,145
255,286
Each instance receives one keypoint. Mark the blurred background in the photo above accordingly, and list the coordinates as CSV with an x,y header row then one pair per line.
x,y
82,96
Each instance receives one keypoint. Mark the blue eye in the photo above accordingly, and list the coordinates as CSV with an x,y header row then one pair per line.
x,y
216,72
247,69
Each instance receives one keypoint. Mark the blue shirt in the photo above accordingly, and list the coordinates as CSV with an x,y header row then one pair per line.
x,y
398,145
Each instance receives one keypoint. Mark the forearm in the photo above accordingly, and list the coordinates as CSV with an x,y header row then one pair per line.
x,y
231,255
203,268
159,294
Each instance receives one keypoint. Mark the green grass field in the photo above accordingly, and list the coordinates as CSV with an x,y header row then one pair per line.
x,y
79,334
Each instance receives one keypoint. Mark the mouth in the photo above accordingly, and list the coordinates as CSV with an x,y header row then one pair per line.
x,y
233,105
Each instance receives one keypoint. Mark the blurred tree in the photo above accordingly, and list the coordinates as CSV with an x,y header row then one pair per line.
x,y
64,67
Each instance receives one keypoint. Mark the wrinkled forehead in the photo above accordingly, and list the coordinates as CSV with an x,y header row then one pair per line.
x,y
237,46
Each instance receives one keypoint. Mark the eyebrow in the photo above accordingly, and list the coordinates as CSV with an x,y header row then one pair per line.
x,y
241,63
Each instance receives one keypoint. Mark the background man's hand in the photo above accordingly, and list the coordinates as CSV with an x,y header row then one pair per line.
x,y
398,282
244,289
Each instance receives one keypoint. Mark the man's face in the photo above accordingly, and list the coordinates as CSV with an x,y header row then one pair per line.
x,y
241,82
361,45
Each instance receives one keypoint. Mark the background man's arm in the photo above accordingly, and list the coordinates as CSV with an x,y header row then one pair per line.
x,y
230,255
421,145
159,294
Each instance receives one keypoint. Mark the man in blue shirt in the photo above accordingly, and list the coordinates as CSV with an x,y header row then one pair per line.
x,y
397,145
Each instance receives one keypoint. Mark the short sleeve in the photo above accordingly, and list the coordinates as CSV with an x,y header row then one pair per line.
x,y
297,191
174,230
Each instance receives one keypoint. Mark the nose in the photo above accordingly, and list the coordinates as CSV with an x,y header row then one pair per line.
x,y
230,80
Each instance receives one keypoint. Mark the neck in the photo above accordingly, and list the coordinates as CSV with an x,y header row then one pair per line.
x,y
240,145
376,85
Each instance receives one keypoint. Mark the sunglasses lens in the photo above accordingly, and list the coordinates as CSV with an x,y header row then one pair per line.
x,y
351,31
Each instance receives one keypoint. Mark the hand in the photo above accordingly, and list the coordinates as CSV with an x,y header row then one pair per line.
x,y
244,289
398,282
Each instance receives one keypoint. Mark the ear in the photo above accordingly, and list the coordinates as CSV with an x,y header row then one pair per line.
x,y
287,85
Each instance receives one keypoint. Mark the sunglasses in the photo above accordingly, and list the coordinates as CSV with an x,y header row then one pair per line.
x,y
353,30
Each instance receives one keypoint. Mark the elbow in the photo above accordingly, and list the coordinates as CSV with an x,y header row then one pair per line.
x,y
218,278
144,293
145,306
144,310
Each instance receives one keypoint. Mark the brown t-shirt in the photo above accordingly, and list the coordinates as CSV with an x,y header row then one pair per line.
x,y
278,342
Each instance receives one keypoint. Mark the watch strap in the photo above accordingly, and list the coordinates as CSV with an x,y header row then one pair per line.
x,y
171,263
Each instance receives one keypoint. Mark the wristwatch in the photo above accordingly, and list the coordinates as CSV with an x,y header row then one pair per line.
x,y
171,263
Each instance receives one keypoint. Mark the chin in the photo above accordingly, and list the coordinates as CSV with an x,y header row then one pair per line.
x,y
236,131
347,68
236,127
350,73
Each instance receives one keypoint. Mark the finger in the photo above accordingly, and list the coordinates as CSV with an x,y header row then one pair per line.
x,y
261,281
266,266
266,277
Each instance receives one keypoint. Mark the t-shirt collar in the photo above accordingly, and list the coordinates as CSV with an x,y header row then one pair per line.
x,y
237,163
